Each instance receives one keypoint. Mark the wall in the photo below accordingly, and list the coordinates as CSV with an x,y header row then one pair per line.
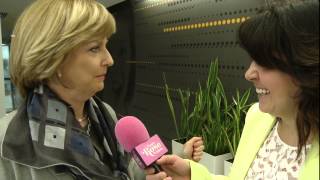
x,y
180,38
120,80
2,108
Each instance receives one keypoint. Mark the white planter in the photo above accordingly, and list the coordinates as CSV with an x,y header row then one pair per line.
x,y
215,164
177,148
227,167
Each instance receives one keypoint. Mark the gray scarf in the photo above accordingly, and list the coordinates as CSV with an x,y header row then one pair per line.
x,y
42,135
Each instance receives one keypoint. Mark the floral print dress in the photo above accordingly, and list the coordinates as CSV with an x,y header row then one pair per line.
x,y
276,160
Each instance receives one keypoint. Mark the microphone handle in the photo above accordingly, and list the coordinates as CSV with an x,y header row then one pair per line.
x,y
156,167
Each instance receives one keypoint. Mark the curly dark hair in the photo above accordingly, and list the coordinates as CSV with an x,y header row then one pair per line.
x,y
286,38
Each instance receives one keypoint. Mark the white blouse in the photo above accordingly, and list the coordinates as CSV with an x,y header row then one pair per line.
x,y
276,160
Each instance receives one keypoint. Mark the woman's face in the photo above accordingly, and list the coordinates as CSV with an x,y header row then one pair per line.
x,y
276,90
84,68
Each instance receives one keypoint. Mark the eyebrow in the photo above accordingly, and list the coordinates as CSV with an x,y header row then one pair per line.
x,y
98,41
94,41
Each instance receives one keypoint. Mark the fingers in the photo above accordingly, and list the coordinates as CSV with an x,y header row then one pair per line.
x,y
198,143
167,160
197,158
199,149
191,145
159,176
197,153
193,140
149,171
168,178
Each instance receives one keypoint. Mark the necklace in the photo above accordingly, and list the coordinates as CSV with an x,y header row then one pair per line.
x,y
83,123
80,120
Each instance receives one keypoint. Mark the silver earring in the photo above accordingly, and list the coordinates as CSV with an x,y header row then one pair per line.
x,y
59,75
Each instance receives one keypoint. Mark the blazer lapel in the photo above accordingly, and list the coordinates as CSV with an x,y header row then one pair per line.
x,y
257,128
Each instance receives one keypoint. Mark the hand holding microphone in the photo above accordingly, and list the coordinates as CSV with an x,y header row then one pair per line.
x,y
175,168
135,139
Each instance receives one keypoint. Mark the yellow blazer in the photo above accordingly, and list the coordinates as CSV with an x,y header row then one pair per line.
x,y
257,128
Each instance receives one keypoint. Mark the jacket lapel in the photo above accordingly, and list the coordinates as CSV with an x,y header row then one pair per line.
x,y
257,127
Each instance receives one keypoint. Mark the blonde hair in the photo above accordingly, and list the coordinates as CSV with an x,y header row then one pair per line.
x,y
47,31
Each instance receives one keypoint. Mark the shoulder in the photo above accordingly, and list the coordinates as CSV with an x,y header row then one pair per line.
x,y
96,101
255,115
4,122
256,119
310,169
110,110
7,117
254,110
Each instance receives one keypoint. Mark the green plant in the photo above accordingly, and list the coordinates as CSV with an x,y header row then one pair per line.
x,y
212,117
235,120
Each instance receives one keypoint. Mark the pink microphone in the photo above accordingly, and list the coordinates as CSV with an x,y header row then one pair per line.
x,y
135,139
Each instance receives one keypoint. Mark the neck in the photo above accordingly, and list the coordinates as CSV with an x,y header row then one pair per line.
x,y
71,96
288,123
287,129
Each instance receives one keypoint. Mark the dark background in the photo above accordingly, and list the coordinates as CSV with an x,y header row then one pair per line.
x,y
150,41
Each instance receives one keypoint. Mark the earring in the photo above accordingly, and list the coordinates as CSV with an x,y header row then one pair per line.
x,y
59,75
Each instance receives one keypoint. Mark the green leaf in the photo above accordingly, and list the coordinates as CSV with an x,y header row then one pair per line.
x,y
171,107
229,142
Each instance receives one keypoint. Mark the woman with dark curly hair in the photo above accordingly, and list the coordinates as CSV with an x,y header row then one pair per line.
x,y
280,139
58,62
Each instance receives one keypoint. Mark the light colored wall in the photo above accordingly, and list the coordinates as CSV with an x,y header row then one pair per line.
x,y
2,107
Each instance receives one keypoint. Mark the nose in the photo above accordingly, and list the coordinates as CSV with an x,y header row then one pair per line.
x,y
107,60
252,73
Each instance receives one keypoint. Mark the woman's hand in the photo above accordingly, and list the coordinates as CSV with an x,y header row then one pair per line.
x,y
193,149
174,167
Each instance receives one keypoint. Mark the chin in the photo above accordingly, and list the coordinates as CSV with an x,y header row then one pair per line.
x,y
267,109
263,108
96,89
99,87
264,104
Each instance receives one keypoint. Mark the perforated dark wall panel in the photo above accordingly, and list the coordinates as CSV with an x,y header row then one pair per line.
x,y
180,38
120,80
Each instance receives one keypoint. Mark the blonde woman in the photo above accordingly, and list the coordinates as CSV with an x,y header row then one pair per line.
x,y
62,131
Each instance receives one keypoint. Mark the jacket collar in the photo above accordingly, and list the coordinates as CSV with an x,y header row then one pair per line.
x,y
257,127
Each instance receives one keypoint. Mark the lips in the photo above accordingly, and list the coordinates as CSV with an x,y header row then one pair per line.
x,y
101,75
